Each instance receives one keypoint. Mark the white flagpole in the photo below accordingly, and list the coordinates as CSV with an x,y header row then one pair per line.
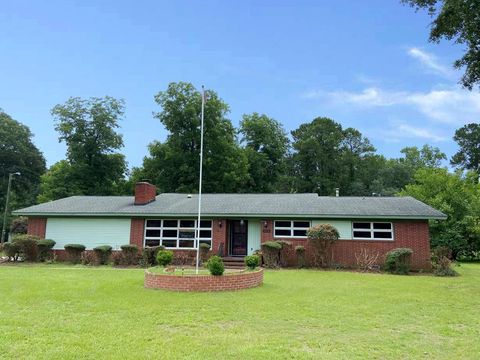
x,y
197,230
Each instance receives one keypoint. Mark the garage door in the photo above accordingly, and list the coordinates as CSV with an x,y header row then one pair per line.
x,y
88,232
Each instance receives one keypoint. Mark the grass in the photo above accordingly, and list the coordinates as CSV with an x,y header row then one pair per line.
x,y
62,312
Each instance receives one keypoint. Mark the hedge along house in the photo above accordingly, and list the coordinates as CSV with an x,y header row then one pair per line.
x,y
236,225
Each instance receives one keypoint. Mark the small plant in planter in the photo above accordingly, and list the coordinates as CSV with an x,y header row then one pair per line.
x,y
45,249
102,254
164,257
74,252
252,261
215,265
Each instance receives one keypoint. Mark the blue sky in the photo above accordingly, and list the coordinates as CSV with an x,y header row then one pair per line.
x,y
366,64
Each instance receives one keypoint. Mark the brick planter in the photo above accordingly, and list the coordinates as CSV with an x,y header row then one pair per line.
x,y
230,282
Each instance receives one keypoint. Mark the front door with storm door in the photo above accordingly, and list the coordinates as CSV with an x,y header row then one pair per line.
x,y
238,237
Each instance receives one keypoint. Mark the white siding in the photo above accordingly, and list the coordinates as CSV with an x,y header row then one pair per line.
x,y
344,227
254,229
88,232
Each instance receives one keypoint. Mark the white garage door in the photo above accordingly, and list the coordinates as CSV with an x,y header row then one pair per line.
x,y
88,232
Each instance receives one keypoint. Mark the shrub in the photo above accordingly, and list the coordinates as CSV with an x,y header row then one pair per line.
x,y
74,252
118,258
19,225
12,250
89,258
398,261
300,254
271,254
252,261
149,255
28,246
164,257
442,265
204,250
322,237
129,254
215,265
103,253
45,249
286,252
367,260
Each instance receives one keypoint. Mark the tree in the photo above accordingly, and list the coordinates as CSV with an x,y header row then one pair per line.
x,y
174,164
468,157
93,167
18,154
317,152
427,156
457,20
266,145
456,195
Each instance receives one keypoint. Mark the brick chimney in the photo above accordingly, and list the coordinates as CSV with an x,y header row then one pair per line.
x,y
144,193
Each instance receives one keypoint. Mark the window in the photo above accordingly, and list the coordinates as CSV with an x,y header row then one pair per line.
x,y
291,228
176,234
372,230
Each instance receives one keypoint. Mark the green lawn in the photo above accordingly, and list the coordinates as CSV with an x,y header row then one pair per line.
x,y
52,312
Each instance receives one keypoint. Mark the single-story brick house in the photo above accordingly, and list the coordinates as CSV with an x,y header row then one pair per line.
x,y
235,224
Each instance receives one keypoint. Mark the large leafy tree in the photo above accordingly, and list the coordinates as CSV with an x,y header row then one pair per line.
x,y
468,157
457,20
266,145
174,164
317,156
18,154
93,165
456,195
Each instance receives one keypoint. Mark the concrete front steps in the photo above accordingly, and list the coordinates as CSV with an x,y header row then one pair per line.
x,y
233,262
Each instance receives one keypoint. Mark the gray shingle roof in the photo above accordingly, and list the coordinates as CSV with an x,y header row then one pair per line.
x,y
240,205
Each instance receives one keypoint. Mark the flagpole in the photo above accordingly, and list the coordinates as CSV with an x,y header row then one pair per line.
x,y
197,230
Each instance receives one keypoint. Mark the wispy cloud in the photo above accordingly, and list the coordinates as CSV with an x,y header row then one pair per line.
x,y
453,105
431,62
404,130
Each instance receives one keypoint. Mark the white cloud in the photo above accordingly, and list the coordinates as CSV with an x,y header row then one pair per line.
x,y
453,105
430,62
405,130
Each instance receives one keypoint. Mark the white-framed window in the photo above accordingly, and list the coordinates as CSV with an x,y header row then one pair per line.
x,y
290,228
372,230
176,234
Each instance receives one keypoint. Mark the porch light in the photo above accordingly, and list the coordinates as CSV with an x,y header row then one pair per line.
x,y
220,223
265,223
242,222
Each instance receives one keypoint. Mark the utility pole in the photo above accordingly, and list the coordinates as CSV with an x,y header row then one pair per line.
x,y
197,230
4,227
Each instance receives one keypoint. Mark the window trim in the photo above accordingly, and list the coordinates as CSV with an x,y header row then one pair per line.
x,y
372,231
291,228
160,239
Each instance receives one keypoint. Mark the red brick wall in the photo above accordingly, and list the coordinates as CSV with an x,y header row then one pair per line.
x,y
219,236
410,234
205,282
137,231
37,226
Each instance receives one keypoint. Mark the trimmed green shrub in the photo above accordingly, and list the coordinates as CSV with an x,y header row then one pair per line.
x,y
74,252
252,261
215,265
19,225
129,254
204,250
149,255
300,254
45,247
28,246
12,250
164,257
322,237
271,254
103,253
398,261
286,252
442,265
